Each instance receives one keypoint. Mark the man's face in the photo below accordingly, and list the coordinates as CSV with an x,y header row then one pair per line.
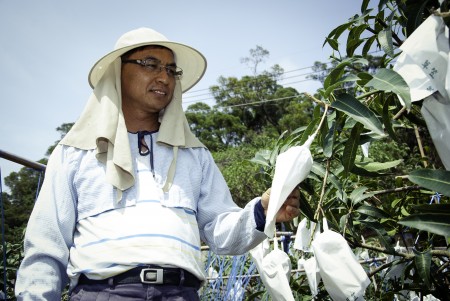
x,y
145,90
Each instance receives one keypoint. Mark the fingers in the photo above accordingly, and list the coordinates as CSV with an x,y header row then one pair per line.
x,y
287,212
293,199
265,199
289,209
292,211
295,194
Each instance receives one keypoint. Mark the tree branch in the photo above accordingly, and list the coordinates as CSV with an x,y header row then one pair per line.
x,y
318,101
419,143
402,254
415,187
380,268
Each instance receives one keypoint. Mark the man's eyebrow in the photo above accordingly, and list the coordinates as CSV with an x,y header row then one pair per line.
x,y
152,58
159,61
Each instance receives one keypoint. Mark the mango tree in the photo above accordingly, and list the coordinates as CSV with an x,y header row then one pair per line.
x,y
377,177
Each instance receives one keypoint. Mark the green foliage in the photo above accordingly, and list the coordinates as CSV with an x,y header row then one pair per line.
x,y
243,178
19,202
214,128
14,255
381,197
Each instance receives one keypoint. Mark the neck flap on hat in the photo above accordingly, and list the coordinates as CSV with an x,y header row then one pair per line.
x,y
101,126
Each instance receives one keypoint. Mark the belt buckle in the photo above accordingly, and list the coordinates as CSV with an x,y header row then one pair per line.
x,y
152,276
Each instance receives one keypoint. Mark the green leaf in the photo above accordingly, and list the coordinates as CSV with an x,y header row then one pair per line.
x,y
364,78
404,211
395,202
385,38
387,121
356,110
364,5
328,141
433,208
317,113
433,179
356,31
358,195
333,43
335,34
307,186
437,223
339,82
309,130
358,192
360,18
261,158
305,207
368,45
372,211
343,221
352,61
376,166
351,148
336,75
390,81
364,173
298,130
333,77
352,45
423,264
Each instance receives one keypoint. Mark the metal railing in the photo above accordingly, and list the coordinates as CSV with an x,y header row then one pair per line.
x,y
20,160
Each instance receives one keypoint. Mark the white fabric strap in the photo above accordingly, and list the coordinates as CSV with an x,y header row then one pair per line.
x,y
171,171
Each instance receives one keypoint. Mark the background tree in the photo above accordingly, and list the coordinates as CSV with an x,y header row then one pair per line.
x,y
258,101
214,128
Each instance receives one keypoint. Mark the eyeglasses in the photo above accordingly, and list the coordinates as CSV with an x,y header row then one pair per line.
x,y
154,65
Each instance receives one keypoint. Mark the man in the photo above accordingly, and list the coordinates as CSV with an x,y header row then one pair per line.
x,y
130,192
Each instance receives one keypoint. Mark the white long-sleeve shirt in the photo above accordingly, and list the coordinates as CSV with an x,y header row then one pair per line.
x,y
75,200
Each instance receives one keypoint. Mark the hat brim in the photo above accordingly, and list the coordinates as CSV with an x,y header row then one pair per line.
x,y
187,58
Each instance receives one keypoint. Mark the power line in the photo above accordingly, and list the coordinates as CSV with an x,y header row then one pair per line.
x,y
260,102
256,79
289,71
212,98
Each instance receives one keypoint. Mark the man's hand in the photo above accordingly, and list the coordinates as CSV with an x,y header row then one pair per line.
x,y
289,210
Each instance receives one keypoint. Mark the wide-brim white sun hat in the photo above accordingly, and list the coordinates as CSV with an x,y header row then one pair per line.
x,y
187,58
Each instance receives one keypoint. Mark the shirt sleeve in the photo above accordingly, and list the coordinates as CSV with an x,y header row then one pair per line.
x,y
224,226
260,217
49,235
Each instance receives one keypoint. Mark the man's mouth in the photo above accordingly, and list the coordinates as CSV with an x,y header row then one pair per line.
x,y
160,92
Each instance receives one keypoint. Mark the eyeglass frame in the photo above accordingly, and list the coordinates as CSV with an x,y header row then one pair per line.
x,y
157,66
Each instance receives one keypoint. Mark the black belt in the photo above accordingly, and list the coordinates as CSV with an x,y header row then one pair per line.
x,y
148,275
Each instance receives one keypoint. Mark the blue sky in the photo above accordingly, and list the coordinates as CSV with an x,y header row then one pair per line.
x,y
48,48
